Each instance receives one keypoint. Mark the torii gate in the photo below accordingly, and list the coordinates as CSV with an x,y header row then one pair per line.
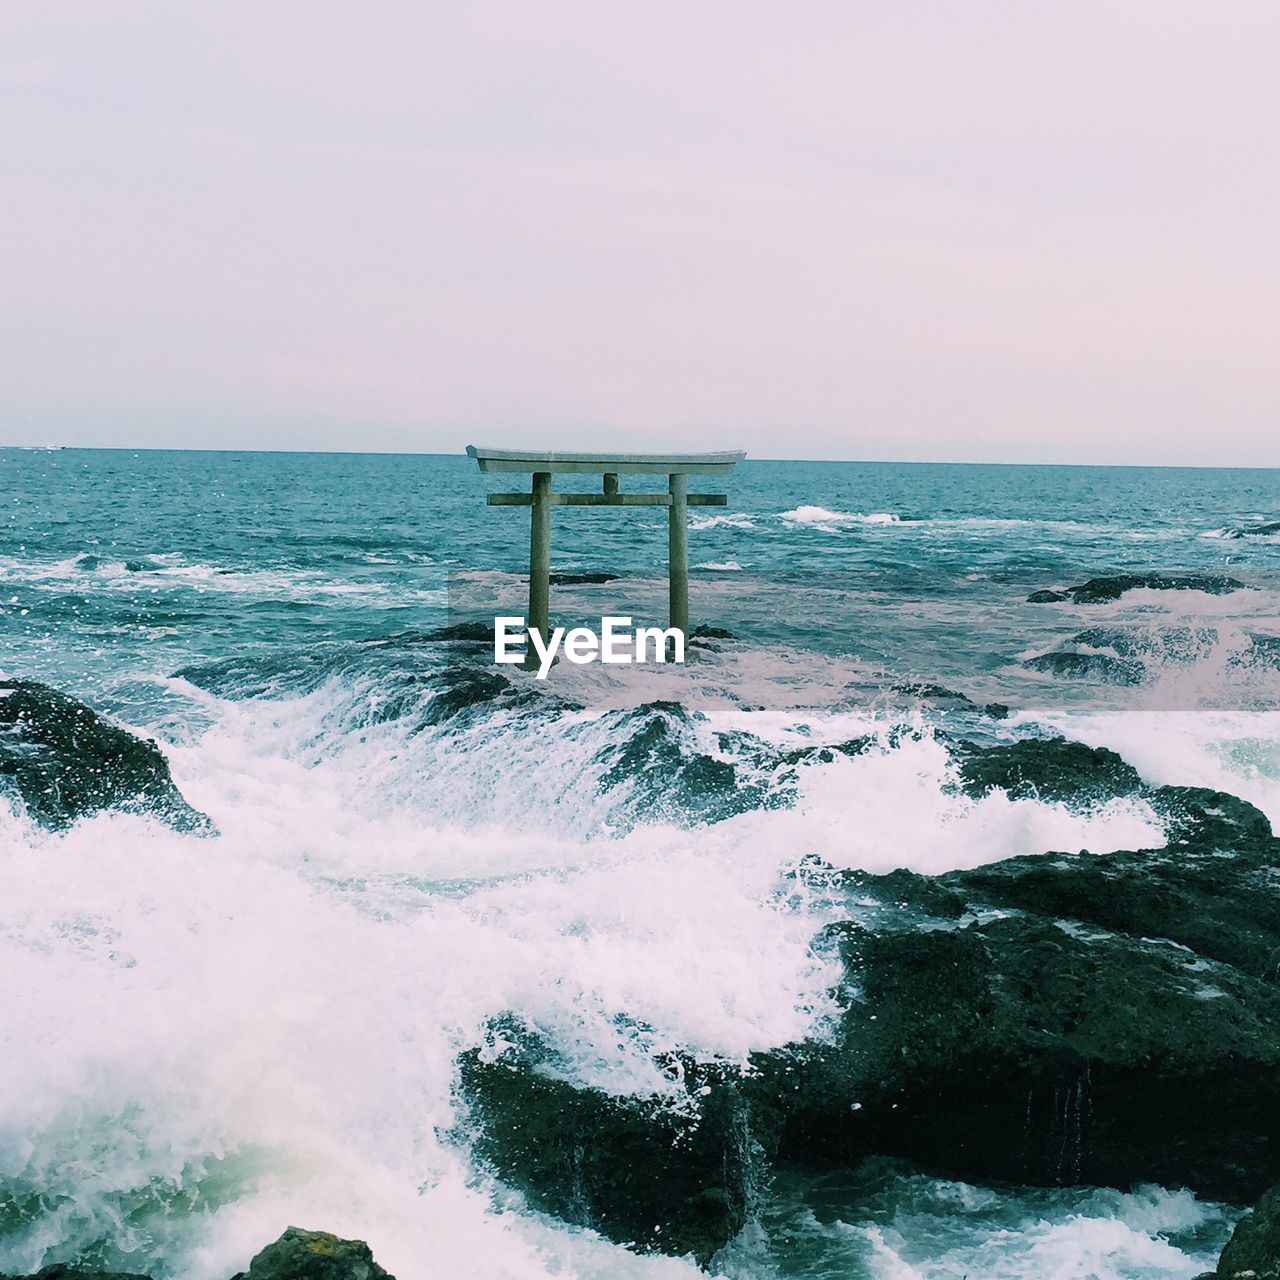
x,y
677,467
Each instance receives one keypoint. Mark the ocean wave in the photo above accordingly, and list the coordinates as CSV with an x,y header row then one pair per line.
x,y
732,521
821,518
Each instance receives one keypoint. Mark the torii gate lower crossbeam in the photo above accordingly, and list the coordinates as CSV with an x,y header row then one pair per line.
x,y
677,467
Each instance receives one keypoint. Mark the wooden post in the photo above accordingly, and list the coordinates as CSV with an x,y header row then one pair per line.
x,y
678,554
540,559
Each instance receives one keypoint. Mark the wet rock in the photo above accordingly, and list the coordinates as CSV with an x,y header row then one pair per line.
x,y
463,632
1113,586
1253,1252
1255,530
1072,665
1046,769
1055,1019
581,579
655,755
60,1271
658,1173
314,1255
1029,1050
64,762
1047,597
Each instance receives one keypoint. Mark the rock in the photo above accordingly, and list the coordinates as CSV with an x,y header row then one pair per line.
x,y
1088,666
63,761
1046,597
1055,1019
1253,1252
1113,586
655,755
671,1174
1027,1050
581,579
1046,769
1255,530
60,1271
314,1255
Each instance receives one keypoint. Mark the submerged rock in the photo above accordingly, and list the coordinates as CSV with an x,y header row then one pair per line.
x,y
1113,586
1254,530
1088,666
63,761
314,1255
1047,597
581,579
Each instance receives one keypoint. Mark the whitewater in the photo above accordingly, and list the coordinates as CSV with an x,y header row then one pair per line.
x,y
210,1035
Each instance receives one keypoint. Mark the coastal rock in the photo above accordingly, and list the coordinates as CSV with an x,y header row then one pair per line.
x,y
1254,530
60,1271
314,1255
1053,1019
581,579
1047,597
1046,769
63,761
1072,665
1113,586
1253,1252
665,1173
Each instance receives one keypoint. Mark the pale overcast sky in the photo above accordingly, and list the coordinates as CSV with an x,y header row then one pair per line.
x,y
1019,231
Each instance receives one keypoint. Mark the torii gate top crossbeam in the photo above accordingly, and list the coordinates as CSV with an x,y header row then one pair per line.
x,y
653,464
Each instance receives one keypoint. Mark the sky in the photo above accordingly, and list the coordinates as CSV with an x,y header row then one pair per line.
x,y
1024,231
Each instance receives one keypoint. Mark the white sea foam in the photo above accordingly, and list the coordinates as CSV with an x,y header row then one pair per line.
x,y
821,518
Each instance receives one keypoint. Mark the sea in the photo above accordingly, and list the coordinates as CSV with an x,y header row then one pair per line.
x,y
207,1037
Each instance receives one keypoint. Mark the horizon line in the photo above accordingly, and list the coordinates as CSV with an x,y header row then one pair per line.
x,y
461,453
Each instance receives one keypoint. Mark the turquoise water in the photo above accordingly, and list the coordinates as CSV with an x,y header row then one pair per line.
x,y
209,1036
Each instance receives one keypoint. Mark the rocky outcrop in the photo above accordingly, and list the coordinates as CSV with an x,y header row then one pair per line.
x,y
1113,586
63,761
59,1271
1267,530
1057,1019
296,1255
314,1255
1253,1252
667,1173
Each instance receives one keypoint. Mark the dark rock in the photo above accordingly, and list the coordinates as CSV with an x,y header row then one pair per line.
x,y
583,579
314,1255
1255,530
464,632
462,690
1045,1020
1113,586
998,710
1209,819
1046,597
655,755
927,689
61,1271
1046,769
826,752
656,1173
65,762
1254,1248
1088,666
